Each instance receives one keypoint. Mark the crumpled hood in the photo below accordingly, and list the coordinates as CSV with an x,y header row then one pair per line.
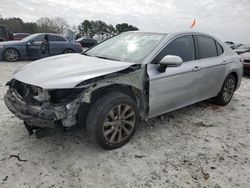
x,y
66,71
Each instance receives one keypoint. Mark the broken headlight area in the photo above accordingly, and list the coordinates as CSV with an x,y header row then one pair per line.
x,y
64,96
30,95
42,108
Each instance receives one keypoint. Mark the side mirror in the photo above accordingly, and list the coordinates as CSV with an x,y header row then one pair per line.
x,y
169,61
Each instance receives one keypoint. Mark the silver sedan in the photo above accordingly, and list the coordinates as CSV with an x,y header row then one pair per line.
x,y
130,77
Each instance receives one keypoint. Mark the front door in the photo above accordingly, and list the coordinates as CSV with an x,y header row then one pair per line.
x,y
34,47
177,86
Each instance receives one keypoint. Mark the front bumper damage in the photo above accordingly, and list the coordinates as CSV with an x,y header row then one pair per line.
x,y
43,115
39,107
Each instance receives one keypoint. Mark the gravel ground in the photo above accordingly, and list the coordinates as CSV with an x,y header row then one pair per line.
x,y
202,145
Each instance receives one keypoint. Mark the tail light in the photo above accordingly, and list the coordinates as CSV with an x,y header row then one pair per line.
x,y
79,45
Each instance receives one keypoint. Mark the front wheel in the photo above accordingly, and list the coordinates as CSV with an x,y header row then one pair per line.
x,y
226,93
11,55
112,120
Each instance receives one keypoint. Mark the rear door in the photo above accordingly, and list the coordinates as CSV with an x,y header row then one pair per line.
x,y
177,86
57,44
212,66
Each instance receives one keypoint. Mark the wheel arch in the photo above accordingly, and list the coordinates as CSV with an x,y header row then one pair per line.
x,y
131,91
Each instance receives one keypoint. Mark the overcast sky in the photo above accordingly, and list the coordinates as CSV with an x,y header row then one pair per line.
x,y
226,19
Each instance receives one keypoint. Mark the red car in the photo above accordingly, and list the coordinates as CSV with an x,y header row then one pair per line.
x,y
20,36
246,60
5,34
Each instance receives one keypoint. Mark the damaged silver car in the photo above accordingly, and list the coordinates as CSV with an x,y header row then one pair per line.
x,y
133,76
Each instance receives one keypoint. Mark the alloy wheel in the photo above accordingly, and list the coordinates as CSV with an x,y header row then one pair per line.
x,y
119,123
228,90
11,55
68,51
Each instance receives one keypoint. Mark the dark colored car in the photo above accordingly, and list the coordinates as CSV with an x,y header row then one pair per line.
x,y
232,45
246,60
37,46
86,43
5,34
20,36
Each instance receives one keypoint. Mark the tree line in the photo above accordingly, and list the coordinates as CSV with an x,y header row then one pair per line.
x,y
87,28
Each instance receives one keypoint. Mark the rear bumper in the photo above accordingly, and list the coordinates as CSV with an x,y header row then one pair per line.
x,y
246,69
31,115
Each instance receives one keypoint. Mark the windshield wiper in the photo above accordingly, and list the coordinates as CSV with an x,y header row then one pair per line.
x,y
107,58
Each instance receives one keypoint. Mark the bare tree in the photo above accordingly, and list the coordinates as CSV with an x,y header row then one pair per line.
x,y
60,25
53,25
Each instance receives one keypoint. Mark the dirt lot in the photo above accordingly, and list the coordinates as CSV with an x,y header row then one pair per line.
x,y
202,145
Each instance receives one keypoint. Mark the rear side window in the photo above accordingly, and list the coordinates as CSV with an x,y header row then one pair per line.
x,y
182,46
56,38
219,49
206,47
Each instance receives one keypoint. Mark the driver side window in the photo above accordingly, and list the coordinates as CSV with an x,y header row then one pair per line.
x,y
182,46
38,38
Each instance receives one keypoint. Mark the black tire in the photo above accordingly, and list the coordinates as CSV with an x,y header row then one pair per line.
x,y
11,55
100,112
226,93
68,51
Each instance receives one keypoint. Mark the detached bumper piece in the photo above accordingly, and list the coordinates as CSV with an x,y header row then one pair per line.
x,y
33,116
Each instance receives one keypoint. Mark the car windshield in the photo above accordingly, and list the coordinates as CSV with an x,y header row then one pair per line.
x,y
128,47
28,38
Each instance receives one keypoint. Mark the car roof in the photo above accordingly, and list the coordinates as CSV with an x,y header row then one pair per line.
x,y
48,34
174,33
178,33
21,33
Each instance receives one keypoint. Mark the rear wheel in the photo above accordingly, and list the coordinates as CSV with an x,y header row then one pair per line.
x,y
112,120
68,51
227,91
11,55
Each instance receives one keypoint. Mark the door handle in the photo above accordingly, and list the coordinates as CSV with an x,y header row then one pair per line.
x,y
196,68
224,62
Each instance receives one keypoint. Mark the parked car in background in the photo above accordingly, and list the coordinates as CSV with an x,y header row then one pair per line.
x,y
5,34
241,51
20,36
86,42
231,44
243,48
37,46
246,60
132,76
